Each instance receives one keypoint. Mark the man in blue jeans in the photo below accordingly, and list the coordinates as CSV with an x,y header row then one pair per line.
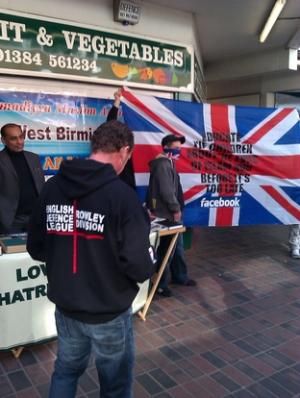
x,y
93,233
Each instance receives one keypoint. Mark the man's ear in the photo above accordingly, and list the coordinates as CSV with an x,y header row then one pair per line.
x,y
126,150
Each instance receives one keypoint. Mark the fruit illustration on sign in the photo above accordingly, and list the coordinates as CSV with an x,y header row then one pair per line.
x,y
146,73
119,70
169,75
133,72
159,76
174,79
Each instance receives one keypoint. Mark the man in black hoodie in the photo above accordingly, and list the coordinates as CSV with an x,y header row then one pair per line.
x,y
92,232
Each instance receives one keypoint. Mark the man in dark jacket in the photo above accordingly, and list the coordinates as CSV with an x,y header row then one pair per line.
x,y
165,200
21,180
92,232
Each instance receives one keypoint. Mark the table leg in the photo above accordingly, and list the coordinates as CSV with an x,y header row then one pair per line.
x,y
17,351
164,263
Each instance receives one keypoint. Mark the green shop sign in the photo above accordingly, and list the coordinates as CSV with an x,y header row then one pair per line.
x,y
199,84
48,48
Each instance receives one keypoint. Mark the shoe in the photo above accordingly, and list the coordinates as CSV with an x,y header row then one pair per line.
x,y
164,292
295,253
188,282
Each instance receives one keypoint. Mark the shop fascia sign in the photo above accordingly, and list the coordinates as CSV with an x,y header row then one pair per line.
x,y
199,83
48,48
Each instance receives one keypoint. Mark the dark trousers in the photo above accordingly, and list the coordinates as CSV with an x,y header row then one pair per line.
x,y
176,264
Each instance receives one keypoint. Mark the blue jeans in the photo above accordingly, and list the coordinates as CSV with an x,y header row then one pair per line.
x,y
176,263
113,346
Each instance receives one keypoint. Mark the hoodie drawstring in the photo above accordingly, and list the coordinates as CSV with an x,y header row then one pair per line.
x,y
74,238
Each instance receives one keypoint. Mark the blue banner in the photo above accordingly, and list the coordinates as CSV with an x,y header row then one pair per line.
x,y
56,127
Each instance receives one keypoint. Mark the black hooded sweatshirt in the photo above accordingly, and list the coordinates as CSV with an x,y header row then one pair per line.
x,y
93,233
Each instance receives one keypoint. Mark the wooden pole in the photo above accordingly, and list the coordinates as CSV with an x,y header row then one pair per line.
x,y
17,351
164,263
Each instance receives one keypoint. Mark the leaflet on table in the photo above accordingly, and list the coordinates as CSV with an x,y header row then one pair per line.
x,y
13,243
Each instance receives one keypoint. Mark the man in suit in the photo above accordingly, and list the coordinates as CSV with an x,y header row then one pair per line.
x,y
21,180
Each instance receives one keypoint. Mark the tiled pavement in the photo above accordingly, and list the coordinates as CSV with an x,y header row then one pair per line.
x,y
236,335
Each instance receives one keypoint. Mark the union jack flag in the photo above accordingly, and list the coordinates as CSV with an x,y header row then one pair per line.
x,y
239,165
